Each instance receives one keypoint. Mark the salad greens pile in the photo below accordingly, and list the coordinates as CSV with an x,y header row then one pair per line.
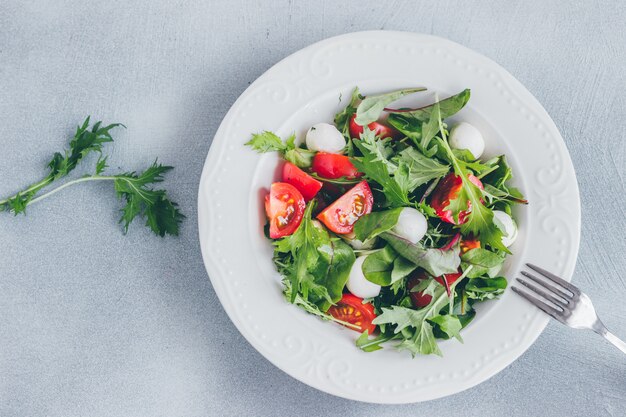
x,y
162,215
429,288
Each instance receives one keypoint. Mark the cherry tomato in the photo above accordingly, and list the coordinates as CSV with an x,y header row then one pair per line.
x,y
284,206
419,299
469,243
352,310
306,184
332,166
341,215
447,190
379,129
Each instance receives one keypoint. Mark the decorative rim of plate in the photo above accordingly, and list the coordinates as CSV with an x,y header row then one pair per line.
x,y
314,355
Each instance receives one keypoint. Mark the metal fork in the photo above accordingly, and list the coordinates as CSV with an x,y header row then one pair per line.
x,y
567,303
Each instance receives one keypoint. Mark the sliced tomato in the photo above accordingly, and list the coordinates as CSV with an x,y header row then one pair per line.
x,y
284,206
352,310
381,130
332,166
419,299
341,215
448,189
469,243
306,184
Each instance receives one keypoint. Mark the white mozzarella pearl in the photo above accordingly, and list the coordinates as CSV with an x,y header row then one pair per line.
x,y
324,137
358,284
466,136
411,225
510,228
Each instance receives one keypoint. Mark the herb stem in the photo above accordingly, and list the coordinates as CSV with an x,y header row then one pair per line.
x,y
32,189
69,183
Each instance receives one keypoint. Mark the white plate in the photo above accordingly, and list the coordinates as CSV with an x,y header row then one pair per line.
x,y
304,89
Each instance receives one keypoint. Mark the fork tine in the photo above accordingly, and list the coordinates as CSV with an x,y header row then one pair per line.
x,y
539,304
551,288
554,278
559,302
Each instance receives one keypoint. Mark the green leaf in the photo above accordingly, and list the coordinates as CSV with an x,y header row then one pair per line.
x,y
481,289
367,344
266,142
421,168
371,107
379,169
450,325
342,119
484,262
162,215
447,107
375,223
436,261
321,264
413,325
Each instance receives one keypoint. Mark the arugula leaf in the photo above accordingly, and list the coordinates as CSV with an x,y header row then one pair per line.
x,y
377,168
413,325
482,289
371,345
421,168
436,261
371,107
375,223
270,142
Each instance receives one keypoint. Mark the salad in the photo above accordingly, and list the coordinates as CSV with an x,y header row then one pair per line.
x,y
389,223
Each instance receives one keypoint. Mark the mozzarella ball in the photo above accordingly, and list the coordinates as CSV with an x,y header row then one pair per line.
x,y
358,244
358,284
466,136
324,137
411,225
504,221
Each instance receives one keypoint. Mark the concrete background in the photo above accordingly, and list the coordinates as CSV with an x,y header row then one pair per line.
x,y
94,323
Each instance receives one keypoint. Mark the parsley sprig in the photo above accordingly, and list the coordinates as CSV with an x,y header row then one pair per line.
x,y
162,215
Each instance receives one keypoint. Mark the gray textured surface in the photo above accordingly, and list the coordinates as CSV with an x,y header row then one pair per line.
x,y
96,323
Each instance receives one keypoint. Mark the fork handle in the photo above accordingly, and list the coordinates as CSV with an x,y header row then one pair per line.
x,y
616,341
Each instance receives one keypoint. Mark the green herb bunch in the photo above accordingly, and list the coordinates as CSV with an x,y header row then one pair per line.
x,y
135,189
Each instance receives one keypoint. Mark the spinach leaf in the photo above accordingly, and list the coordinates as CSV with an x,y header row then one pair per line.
x,y
375,223
482,289
371,107
484,262
342,119
436,262
449,325
447,107
385,267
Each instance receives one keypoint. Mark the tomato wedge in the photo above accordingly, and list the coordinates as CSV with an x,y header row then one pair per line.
x,y
284,206
419,299
306,184
379,129
352,310
333,166
447,189
341,215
